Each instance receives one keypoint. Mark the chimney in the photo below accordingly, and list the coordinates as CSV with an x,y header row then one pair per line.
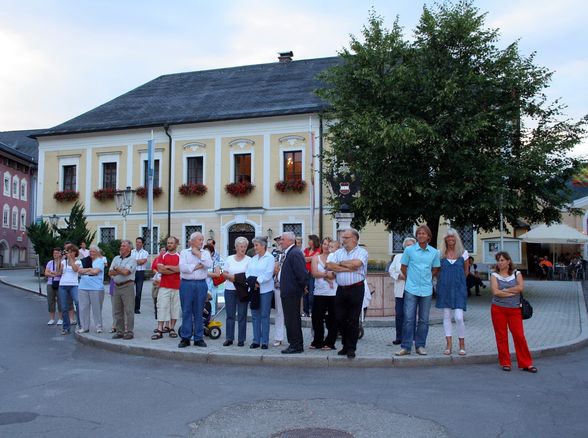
x,y
285,57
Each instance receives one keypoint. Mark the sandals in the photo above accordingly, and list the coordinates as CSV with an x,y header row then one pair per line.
x,y
166,329
462,352
530,369
172,333
447,352
158,335
505,368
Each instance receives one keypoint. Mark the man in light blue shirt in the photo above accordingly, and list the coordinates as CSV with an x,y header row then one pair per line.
x,y
419,264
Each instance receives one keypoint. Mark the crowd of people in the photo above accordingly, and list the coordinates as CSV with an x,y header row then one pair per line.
x,y
326,281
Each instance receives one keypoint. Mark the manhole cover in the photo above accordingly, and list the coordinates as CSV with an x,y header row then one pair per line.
x,y
16,417
313,432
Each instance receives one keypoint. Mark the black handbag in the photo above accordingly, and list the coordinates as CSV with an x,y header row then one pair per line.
x,y
526,308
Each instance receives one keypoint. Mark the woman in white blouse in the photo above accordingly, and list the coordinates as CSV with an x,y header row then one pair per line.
x,y
236,264
261,266
68,285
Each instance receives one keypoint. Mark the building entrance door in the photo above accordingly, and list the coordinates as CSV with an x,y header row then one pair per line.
x,y
236,230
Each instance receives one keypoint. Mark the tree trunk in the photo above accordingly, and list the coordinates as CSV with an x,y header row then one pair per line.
x,y
433,224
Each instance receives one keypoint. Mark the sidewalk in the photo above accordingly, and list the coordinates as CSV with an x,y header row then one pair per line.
x,y
559,325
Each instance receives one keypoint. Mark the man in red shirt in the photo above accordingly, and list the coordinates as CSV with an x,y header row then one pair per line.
x,y
168,297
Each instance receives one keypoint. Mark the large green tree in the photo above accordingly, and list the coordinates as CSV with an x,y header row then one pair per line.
x,y
446,125
76,227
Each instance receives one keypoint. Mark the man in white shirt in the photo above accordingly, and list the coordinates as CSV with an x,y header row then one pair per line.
x,y
350,267
194,265
141,256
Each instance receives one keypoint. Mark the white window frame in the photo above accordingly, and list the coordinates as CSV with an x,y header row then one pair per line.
x,y
99,234
293,221
23,189
6,216
23,219
184,226
108,158
15,187
185,167
145,157
7,183
69,161
293,149
15,218
232,164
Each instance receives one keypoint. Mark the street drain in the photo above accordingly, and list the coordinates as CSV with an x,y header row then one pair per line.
x,y
16,417
313,432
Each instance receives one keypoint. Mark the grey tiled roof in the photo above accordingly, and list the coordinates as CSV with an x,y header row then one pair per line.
x,y
21,144
224,94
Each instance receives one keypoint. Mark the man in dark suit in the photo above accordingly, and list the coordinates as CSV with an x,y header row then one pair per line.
x,y
292,278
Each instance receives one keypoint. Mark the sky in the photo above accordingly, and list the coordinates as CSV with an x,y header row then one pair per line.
x,y
62,58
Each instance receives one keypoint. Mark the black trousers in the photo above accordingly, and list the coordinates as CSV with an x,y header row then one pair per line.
x,y
292,321
348,303
139,279
324,311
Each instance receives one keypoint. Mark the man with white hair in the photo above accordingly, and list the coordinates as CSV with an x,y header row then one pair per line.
x,y
350,267
292,277
194,265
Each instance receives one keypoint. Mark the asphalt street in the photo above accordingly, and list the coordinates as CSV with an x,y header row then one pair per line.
x,y
53,386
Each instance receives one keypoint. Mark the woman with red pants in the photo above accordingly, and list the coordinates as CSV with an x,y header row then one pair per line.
x,y
507,285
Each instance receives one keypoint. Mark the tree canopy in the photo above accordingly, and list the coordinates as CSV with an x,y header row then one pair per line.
x,y
446,124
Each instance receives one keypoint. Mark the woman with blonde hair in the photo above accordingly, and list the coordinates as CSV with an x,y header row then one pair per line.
x,y
452,291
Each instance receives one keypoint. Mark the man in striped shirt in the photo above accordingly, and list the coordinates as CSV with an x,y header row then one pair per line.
x,y
350,269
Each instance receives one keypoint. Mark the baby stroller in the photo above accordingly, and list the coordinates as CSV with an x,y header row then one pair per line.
x,y
212,328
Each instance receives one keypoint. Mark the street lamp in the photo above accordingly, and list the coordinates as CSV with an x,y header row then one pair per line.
x,y
211,234
270,234
124,202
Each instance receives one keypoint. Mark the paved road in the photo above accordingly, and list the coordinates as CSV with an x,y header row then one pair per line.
x,y
53,386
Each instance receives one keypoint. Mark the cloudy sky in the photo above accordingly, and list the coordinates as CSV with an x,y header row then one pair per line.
x,y
64,57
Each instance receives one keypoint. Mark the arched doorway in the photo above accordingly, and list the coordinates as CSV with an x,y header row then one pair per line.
x,y
4,253
236,230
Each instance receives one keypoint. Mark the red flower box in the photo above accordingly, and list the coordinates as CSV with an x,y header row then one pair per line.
x,y
66,196
193,189
104,194
238,189
297,185
142,192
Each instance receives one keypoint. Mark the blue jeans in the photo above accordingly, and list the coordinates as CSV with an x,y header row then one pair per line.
x,y
414,304
261,319
234,306
192,298
64,293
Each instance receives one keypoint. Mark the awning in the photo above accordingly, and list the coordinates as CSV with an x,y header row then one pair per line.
x,y
556,233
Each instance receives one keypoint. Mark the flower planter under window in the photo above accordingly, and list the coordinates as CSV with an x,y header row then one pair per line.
x,y
105,194
238,189
193,189
296,186
66,196
142,192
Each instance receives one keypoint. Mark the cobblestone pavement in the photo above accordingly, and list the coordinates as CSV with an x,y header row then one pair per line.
x,y
559,324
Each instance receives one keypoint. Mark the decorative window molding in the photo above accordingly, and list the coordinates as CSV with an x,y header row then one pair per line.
x,y
157,156
23,189
104,158
194,146
242,143
7,182
15,187
15,218
292,140
283,152
232,165
6,216
64,163
23,219
185,167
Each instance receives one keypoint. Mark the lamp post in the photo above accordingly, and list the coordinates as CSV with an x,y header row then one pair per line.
x,y
124,202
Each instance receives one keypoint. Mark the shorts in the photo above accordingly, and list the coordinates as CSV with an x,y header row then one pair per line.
x,y
168,304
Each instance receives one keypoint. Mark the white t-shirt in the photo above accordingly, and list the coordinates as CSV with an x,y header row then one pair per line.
x,y
232,266
69,276
465,256
321,285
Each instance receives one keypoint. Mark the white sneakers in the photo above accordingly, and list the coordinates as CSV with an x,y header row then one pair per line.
x,y
421,351
60,322
51,322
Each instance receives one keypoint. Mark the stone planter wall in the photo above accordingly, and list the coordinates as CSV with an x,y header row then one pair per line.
x,y
382,303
